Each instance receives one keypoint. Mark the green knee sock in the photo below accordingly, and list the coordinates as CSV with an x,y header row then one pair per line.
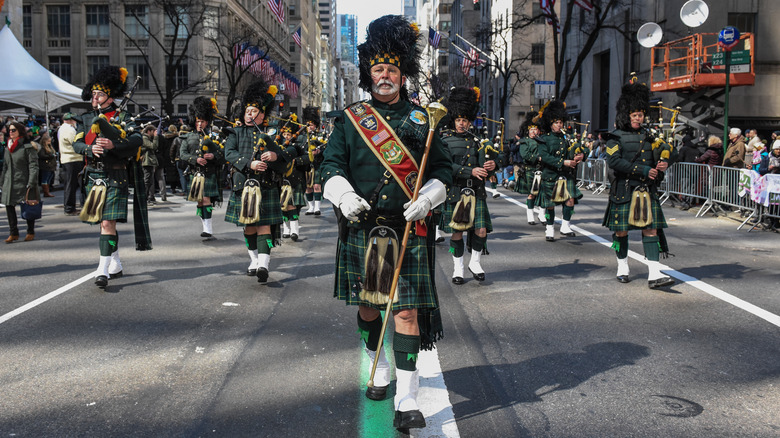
x,y
251,241
264,243
650,244
287,216
318,196
620,245
369,332
456,247
207,209
478,243
108,243
310,196
549,214
530,203
406,348
567,212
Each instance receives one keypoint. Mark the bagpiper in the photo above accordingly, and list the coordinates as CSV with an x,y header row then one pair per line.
x,y
294,180
204,153
473,162
528,179
257,164
559,167
316,142
110,145
370,169
638,160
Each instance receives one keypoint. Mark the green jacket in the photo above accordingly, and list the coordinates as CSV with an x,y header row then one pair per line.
x,y
192,147
245,144
124,148
20,170
630,166
348,155
529,150
149,151
467,154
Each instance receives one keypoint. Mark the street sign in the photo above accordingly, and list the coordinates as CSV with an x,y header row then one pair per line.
x,y
544,89
737,57
728,37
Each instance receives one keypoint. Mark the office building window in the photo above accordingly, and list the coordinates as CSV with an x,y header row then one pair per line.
x,y
27,22
212,70
95,63
137,66
181,78
744,22
177,24
137,21
97,21
211,23
537,54
182,109
60,66
58,21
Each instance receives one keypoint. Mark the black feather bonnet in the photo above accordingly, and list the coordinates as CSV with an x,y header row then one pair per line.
x,y
528,123
311,114
634,97
463,102
202,108
552,111
110,79
259,95
390,39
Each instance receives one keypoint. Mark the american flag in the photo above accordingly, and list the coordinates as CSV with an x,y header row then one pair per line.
x,y
584,4
547,7
471,60
278,9
434,37
296,36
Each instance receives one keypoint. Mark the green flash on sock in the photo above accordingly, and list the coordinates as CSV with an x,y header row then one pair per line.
x,y
411,357
363,334
270,243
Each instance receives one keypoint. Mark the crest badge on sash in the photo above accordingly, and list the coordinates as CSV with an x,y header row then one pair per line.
x,y
368,122
392,152
418,117
411,180
358,109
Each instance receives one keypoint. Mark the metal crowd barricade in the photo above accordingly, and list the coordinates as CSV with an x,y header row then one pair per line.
x,y
688,181
724,190
592,174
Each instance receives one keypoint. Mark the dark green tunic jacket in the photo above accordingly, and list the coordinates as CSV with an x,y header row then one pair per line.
x,y
240,146
630,166
467,154
191,148
552,149
349,156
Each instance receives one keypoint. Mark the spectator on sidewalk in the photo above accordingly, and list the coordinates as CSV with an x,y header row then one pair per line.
x,y
774,158
149,161
181,165
20,173
752,141
47,163
735,154
72,164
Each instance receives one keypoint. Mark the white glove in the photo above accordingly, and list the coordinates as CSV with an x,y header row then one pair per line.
x,y
351,205
431,194
339,192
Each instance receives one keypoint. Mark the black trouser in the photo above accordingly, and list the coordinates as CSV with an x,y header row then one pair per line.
x,y
149,182
13,224
70,174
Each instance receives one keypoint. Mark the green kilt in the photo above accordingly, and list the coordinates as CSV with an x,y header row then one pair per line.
x,y
270,208
544,199
117,191
211,186
299,195
317,175
481,217
523,183
416,289
616,216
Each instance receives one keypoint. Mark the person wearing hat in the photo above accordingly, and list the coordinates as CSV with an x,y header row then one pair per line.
x,y
257,163
774,158
205,156
181,165
108,140
72,163
531,166
472,165
639,161
369,171
559,167
315,145
294,179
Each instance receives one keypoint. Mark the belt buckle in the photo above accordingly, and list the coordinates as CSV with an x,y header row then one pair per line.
x,y
469,182
380,221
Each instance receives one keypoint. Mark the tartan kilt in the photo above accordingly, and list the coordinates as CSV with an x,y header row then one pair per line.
x,y
115,207
270,208
481,217
317,175
616,216
211,186
544,198
416,288
299,195
523,184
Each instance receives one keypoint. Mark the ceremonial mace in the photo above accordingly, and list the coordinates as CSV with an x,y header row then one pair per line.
x,y
436,112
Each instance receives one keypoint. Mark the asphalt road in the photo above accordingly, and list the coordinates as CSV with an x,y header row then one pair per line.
x,y
550,345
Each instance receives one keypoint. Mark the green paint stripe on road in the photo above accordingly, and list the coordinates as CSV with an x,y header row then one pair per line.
x,y
376,417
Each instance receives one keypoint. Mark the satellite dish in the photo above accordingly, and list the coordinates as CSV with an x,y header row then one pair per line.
x,y
694,13
649,35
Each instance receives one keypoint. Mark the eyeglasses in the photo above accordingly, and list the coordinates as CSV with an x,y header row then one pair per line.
x,y
12,130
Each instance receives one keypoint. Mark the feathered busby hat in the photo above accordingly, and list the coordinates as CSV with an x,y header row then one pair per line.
x,y
634,97
259,95
203,108
531,120
110,79
291,124
311,114
550,112
463,102
391,39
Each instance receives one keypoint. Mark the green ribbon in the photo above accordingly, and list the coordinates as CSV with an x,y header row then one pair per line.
x,y
412,357
616,245
198,211
270,243
112,243
452,250
246,242
363,334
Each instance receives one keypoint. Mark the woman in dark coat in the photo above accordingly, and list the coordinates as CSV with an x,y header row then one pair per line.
x,y
20,172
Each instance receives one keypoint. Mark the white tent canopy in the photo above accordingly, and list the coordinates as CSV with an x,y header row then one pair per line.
x,y
27,83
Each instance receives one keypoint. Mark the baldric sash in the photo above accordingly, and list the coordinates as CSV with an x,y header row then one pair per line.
x,y
383,141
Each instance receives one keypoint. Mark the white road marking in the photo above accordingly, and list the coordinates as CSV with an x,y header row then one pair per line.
x,y
45,298
695,282
434,400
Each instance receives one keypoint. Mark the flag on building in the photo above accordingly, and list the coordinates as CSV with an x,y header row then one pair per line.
x,y
434,38
296,36
471,60
547,7
277,8
584,4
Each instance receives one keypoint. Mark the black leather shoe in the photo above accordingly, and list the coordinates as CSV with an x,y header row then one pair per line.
x,y
478,277
251,272
549,239
623,279
376,392
409,420
439,240
569,234
294,237
317,213
660,282
262,275
286,236
531,223
116,275
309,213
205,234
457,280
101,281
